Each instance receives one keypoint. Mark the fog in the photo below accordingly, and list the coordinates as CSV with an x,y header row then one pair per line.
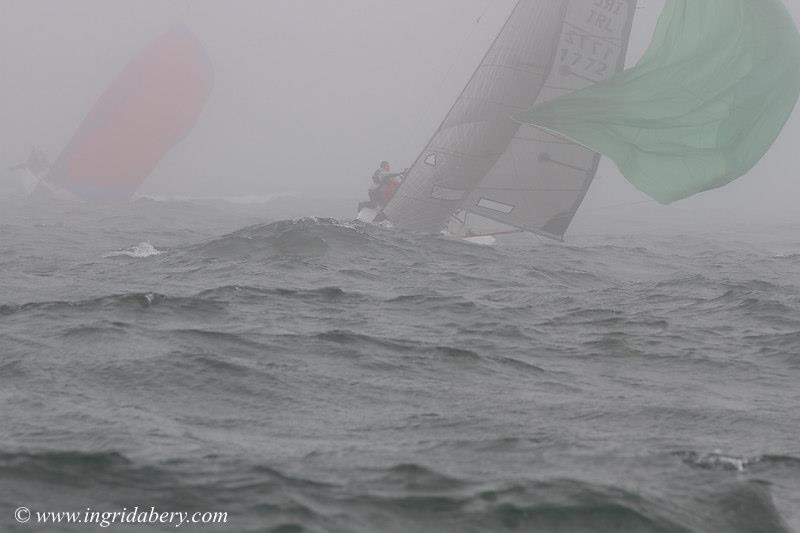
x,y
309,95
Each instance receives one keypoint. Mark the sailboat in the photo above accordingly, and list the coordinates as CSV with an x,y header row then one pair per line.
x,y
522,143
482,161
148,108
26,177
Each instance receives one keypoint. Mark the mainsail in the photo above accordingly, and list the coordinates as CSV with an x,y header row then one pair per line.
x,y
152,104
703,105
481,159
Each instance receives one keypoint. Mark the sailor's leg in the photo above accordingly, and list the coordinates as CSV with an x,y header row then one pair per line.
x,y
375,196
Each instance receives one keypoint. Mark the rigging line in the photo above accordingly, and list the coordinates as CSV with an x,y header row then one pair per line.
x,y
460,95
464,42
471,78
426,110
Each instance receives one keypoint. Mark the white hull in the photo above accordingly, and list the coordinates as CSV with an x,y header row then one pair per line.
x,y
20,183
481,240
367,215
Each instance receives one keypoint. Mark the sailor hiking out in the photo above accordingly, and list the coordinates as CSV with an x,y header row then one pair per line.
x,y
384,185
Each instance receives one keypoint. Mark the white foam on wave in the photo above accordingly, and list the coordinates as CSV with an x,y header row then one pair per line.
x,y
141,250
334,222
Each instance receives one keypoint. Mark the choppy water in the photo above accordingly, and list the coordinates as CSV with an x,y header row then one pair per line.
x,y
315,375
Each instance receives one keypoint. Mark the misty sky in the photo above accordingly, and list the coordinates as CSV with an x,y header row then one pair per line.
x,y
309,95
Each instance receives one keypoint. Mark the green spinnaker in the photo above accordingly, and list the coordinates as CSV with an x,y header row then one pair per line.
x,y
703,105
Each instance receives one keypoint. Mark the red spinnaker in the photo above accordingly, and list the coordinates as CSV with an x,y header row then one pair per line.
x,y
154,102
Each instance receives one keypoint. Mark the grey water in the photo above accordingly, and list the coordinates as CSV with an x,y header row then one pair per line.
x,y
323,375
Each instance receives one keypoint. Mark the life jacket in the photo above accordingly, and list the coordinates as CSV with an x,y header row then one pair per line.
x,y
391,187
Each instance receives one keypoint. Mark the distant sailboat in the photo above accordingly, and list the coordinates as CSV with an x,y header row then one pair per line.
x,y
149,107
518,146
25,177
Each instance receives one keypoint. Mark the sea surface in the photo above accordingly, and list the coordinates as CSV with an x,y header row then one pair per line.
x,y
323,375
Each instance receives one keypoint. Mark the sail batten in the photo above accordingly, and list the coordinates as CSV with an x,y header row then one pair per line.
x,y
543,51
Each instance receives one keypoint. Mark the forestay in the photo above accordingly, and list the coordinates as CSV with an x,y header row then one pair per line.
x,y
481,159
